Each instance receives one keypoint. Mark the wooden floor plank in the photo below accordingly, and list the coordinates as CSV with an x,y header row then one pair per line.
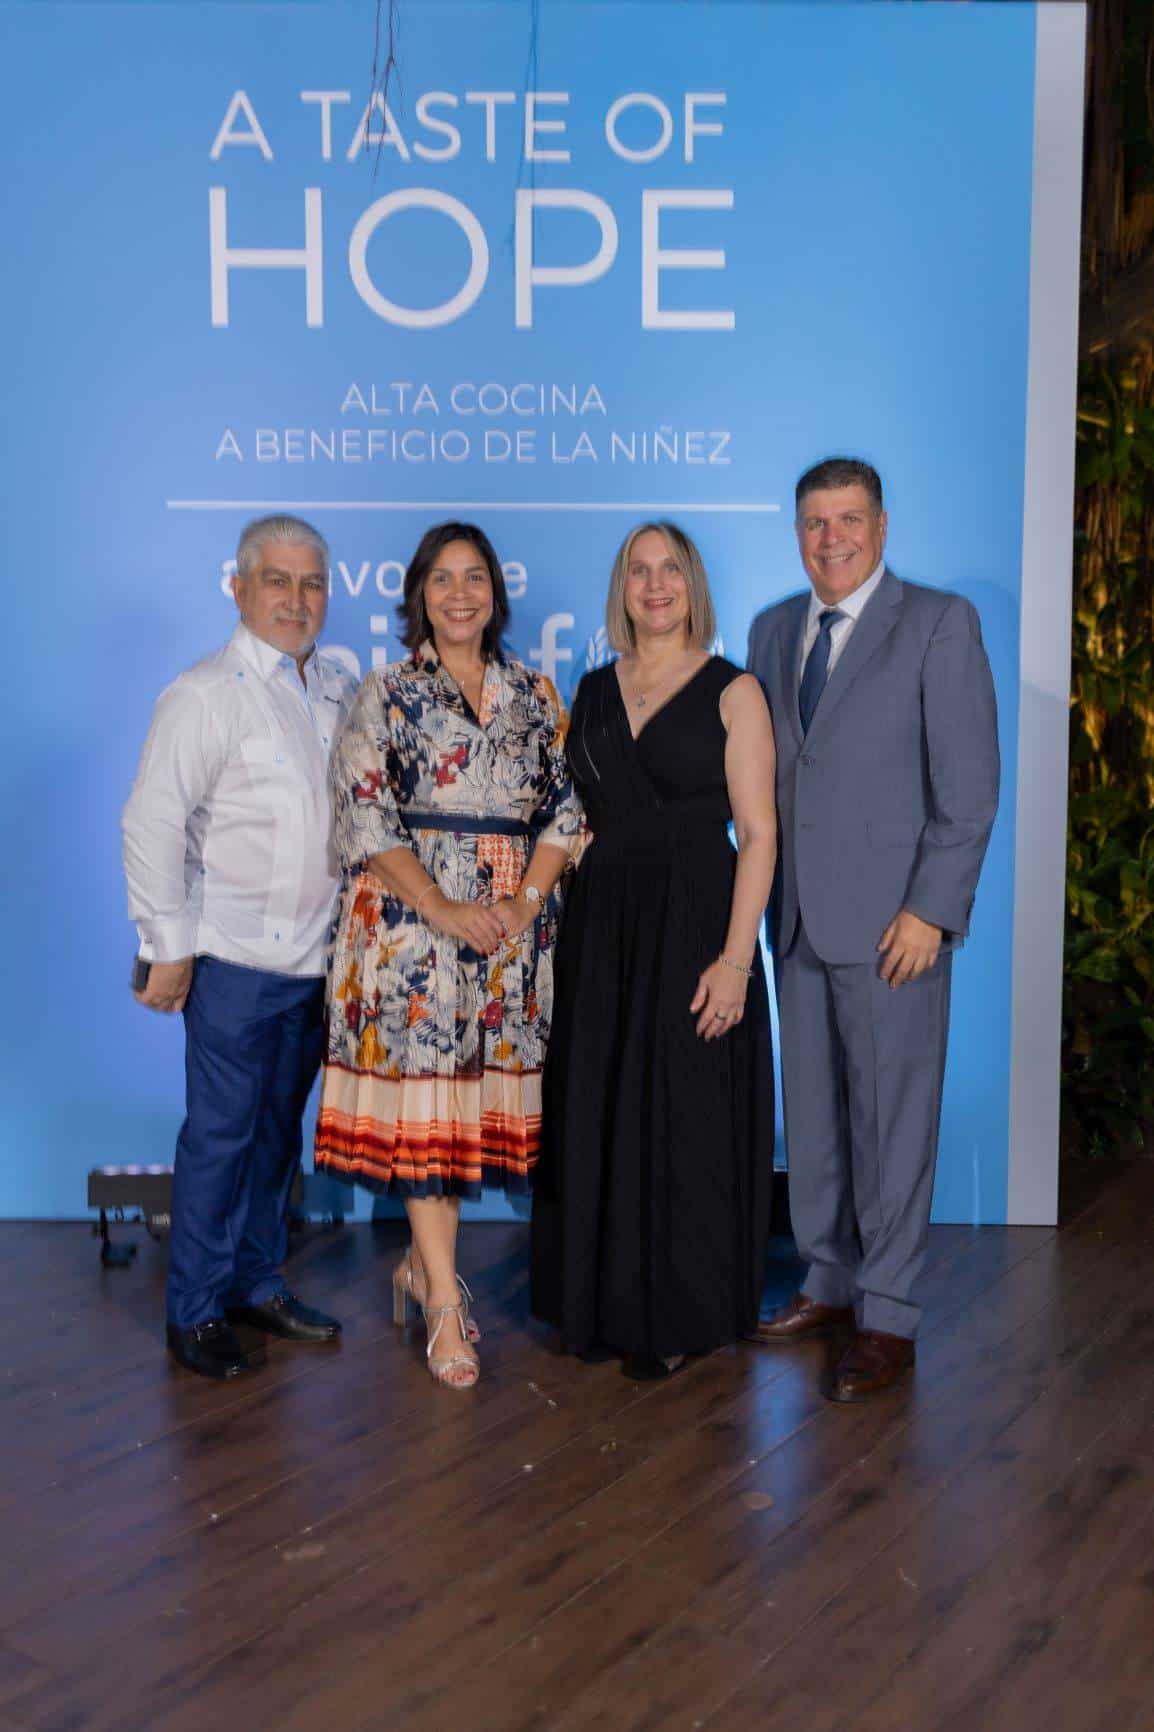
x,y
894,1612
307,1449
843,1468
506,1689
722,1550
1059,1549
757,1505
1090,1671
402,1578
359,1511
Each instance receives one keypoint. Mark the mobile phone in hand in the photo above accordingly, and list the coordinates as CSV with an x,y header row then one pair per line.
x,y
141,969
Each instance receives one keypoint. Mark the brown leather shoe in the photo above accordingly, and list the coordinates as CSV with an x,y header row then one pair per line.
x,y
874,1362
798,1319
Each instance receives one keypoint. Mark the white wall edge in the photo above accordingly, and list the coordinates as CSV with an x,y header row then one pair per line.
x,y
1047,563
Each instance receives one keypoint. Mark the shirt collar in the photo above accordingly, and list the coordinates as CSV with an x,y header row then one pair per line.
x,y
853,604
425,656
265,657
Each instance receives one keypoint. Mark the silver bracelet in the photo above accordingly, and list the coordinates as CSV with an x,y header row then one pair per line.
x,y
427,891
736,966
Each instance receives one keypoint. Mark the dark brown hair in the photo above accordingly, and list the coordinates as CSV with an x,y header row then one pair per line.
x,y
415,627
841,472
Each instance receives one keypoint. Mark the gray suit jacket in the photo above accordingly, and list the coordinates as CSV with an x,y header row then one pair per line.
x,y
889,800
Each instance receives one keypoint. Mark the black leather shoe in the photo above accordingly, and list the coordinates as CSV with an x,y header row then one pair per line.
x,y
210,1349
284,1315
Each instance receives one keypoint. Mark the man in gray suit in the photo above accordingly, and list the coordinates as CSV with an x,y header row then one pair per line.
x,y
887,786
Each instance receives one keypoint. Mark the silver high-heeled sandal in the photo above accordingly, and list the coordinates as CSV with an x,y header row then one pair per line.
x,y
443,1370
404,1291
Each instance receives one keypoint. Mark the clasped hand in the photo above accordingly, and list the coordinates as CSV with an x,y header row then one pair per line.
x,y
719,1002
484,927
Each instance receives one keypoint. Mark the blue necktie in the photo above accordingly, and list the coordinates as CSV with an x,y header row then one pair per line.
x,y
816,670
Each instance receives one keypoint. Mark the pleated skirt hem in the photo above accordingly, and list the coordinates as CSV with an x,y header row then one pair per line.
x,y
430,1136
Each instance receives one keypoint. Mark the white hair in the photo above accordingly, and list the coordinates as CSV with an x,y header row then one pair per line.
x,y
255,535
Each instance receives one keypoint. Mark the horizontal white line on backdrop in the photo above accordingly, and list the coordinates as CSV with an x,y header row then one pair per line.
x,y
667,505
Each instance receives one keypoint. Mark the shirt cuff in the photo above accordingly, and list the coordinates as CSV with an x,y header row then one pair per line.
x,y
169,938
561,833
377,838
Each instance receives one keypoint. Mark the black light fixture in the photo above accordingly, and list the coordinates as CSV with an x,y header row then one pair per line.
x,y
117,1190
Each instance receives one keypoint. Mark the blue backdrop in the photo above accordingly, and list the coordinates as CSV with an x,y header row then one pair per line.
x,y
804,229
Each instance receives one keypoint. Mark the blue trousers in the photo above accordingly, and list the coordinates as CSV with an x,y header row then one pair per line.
x,y
253,1045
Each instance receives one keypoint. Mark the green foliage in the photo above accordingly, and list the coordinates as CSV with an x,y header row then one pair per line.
x,y
1108,1022
1108,1012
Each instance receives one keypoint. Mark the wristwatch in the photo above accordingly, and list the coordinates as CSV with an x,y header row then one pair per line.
x,y
530,893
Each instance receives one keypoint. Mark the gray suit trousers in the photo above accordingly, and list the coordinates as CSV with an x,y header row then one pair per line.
x,y
862,1067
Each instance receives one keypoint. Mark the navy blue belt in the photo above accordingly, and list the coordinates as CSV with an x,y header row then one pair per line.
x,y
462,823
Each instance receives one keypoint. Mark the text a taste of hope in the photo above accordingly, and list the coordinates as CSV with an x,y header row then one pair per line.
x,y
639,128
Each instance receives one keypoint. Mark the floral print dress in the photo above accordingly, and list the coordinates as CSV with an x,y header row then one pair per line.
x,y
432,1082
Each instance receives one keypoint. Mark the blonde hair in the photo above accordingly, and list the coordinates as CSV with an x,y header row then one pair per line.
x,y
702,619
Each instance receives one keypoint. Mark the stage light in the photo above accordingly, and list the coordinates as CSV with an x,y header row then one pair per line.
x,y
115,1190
148,1190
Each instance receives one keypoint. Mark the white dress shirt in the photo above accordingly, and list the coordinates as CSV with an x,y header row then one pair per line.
x,y
841,630
228,845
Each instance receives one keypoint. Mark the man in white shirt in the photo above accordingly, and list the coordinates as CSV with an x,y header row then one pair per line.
x,y
887,785
232,880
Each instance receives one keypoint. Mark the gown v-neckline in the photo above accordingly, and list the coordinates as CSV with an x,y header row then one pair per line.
x,y
661,708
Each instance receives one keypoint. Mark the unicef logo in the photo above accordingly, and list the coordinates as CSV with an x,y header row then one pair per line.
x,y
597,651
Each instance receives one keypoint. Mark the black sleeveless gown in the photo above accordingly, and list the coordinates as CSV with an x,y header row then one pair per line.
x,y
651,1197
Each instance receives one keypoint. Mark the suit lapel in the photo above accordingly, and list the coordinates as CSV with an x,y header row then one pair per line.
x,y
789,646
879,616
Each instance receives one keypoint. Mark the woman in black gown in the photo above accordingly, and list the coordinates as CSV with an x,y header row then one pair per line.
x,y
651,1205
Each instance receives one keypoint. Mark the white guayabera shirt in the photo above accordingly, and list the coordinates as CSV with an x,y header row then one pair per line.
x,y
228,830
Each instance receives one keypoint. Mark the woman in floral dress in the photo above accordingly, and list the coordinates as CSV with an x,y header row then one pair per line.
x,y
455,817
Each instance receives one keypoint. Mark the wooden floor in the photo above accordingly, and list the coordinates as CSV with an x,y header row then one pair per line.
x,y
336,1544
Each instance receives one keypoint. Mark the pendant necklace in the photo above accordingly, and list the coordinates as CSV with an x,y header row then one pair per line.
x,y
641,699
